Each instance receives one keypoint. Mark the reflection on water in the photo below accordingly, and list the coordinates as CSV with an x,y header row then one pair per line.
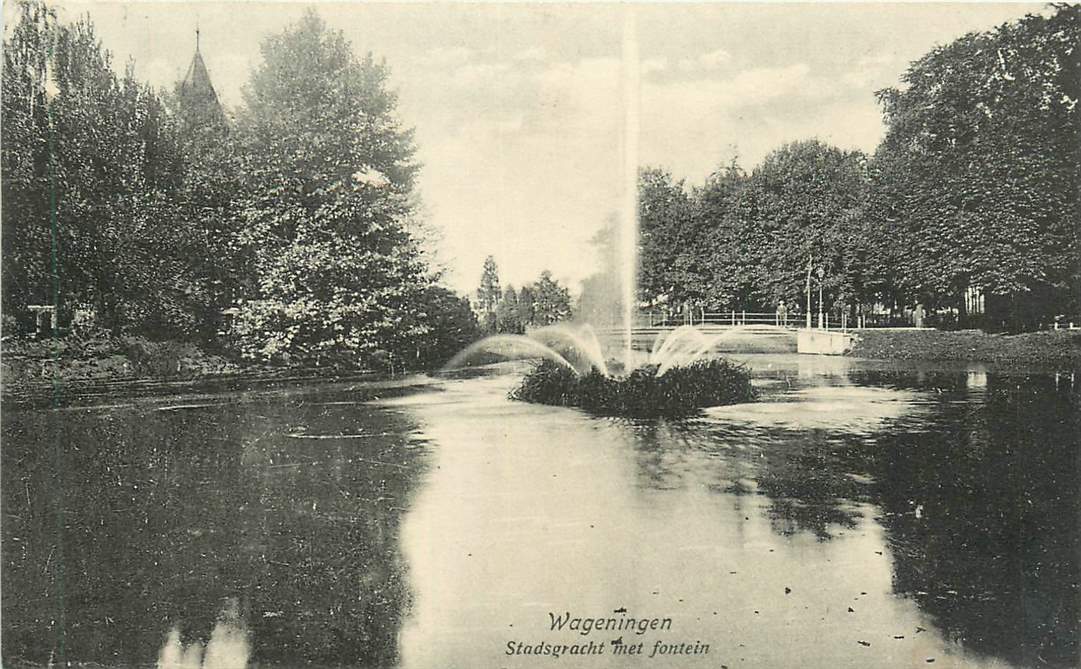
x,y
860,515
228,647
192,534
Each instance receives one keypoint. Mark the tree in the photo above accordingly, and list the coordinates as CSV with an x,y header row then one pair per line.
x,y
805,203
28,237
601,299
91,174
328,187
488,294
666,229
526,306
212,179
729,250
506,313
977,180
551,301
742,242
453,326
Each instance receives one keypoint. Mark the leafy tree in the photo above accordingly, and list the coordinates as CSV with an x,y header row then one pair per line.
x,y
977,181
453,326
212,179
729,249
28,238
666,227
90,183
805,203
526,306
328,186
743,242
506,313
551,301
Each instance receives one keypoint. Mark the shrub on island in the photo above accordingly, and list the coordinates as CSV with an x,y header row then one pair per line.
x,y
680,391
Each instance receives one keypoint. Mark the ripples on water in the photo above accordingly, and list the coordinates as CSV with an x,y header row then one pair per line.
x,y
857,516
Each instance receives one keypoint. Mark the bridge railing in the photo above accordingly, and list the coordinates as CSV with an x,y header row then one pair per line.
x,y
746,318
826,320
730,318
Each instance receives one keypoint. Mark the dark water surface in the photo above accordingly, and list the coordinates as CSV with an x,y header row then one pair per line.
x,y
860,515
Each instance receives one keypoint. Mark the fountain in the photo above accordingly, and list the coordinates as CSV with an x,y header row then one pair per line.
x,y
679,374
628,238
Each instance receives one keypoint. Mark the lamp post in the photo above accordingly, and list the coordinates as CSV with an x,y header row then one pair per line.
x,y
808,292
821,316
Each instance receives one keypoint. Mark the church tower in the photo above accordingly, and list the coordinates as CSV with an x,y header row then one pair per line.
x,y
198,101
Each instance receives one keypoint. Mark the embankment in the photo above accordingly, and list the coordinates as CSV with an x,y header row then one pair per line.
x,y
1054,348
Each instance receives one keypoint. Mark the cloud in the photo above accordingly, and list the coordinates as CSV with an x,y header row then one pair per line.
x,y
474,74
707,61
694,101
445,56
691,125
532,173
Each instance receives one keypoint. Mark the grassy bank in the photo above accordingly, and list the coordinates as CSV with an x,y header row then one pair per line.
x,y
32,370
1062,347
106,358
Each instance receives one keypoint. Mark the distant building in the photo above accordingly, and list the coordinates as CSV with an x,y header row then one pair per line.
x,y
197,101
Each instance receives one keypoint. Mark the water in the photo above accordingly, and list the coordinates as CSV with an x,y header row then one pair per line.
x,y
431,527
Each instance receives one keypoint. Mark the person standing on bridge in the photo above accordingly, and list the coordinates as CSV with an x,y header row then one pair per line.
x,y
782,314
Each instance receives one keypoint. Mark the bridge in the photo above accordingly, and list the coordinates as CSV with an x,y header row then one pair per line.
x,y
751,338
740,332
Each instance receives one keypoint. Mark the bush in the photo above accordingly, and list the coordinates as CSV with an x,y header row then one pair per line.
x,y
681,391
549,383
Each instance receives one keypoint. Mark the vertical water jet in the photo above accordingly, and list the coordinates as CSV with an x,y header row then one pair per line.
x,y
628,219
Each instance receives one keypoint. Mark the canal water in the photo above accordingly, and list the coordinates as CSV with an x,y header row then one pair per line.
x,y
861,514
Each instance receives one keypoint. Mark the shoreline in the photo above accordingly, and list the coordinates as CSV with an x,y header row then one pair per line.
x,y
64,373
150,392
75,379
1060,348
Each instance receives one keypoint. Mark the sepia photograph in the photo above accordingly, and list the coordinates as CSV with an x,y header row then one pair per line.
x,y
517,335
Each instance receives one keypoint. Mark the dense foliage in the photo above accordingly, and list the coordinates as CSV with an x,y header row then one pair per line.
x,y
157,213
976,186
744,242
681,391
91,185
979,177
452,323
328,175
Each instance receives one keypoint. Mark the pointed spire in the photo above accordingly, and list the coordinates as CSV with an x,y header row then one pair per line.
x,y
195,89
197,80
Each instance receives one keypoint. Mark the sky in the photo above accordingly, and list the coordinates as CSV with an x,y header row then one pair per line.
x,y
518,109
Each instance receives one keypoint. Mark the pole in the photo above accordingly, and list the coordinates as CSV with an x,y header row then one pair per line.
x,y
821,319
808,292
820,315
